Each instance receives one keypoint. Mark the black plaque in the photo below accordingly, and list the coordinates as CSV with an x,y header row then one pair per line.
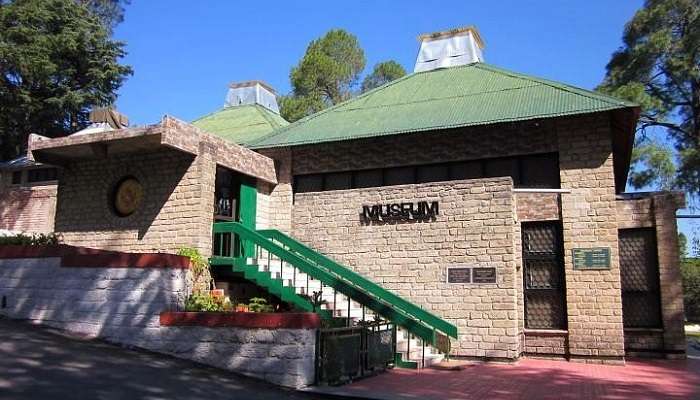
x,y
594,258
484,275
459,275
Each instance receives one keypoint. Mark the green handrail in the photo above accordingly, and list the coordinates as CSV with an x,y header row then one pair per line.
x,y
348,288
376,290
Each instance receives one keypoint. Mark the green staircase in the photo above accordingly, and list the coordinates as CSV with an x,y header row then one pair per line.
x,y
419,322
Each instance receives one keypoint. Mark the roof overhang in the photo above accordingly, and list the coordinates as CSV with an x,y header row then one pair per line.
x,y
169,134
624,126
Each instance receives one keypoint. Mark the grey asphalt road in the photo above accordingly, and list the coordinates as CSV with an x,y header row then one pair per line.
x,y
41,363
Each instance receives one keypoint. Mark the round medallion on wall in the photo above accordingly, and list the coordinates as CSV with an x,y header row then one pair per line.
x,y
127,197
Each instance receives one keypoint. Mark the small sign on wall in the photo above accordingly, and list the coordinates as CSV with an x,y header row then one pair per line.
x,y
484,275
471,275
459,275
593,258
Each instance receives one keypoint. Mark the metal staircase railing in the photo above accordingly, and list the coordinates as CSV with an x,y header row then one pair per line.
x,y
416,320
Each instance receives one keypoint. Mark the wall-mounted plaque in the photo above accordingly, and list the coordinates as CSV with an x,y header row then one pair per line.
x,y
127,196
459,275
593,258
484,275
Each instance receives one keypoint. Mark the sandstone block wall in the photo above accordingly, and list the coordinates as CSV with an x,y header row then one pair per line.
x,y
475,228
27,208
594,303
177,208
658,211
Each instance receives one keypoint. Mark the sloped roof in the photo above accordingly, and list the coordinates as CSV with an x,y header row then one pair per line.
x,y
473,94
241,124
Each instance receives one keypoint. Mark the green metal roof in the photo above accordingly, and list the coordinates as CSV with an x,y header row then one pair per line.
x,y
241,124
474,94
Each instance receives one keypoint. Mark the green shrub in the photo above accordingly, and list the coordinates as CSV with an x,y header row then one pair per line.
x,y
37,239
204,302
690,271
197,261
259,305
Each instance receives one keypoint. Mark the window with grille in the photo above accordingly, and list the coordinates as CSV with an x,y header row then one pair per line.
x,y
529,171
543,276
639,272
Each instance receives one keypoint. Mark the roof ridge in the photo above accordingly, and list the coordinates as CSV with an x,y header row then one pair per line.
x,y
557,85
224,108
263,113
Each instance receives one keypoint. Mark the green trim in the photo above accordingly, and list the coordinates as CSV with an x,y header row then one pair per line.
x,y
349,288
247,211
369,286
400,363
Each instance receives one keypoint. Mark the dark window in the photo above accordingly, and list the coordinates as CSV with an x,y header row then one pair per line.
x,y
42,175
540,171
17,177
338,181
432,173
368,178
467,170
499,167
309,183
543,276
399,176
639,273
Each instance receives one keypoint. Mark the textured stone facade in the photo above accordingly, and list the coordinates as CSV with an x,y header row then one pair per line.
x,y
593,300
475,227
534,206
658,210
177,206
27,208
123,305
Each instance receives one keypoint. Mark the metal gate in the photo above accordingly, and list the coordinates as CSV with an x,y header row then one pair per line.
x,y
639,272
345,354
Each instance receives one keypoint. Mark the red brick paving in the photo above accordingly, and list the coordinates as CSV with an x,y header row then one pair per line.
x,y
538,379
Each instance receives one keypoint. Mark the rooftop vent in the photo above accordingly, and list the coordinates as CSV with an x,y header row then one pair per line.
x,y
449,48
252,92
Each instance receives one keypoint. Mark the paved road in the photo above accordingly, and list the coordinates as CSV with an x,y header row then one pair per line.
x,y
40,363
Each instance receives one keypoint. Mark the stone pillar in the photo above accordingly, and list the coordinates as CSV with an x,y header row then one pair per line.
x,y
665,206
594,301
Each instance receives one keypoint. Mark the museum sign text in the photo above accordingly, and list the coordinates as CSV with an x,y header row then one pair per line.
x,y
417,211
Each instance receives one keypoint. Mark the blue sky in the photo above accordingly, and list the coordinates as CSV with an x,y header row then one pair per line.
x,y
184,53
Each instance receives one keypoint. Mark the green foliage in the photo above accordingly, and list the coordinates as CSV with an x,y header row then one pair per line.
x,y
325,75
56,62
658,68
682,245
383,72
259,305
37,239
205,302
690,271
197,262
109,12
652,165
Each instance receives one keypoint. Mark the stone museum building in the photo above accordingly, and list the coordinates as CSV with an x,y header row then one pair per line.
x,y
491,201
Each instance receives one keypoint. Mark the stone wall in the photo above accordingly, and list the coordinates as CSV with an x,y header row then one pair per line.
x,y
283,357
177,207
111,303
27,208
279,197
538,206
658,210
593,300
546,343
124,305
475,227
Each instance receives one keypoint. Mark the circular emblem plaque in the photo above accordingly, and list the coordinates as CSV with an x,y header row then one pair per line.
x,y
128,196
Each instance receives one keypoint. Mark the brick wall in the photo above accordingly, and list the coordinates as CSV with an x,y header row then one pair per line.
x,y
594,304
177,208
27,208
475,228
279,197
546,343
658,210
